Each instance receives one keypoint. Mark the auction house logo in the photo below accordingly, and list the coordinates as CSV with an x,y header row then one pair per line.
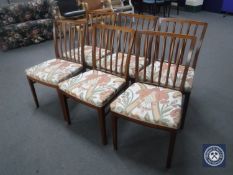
x,y
214,155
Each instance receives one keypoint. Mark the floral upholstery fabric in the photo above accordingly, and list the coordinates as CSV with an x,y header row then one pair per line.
x,y
88,54
150,104
54,71
94,87
189,78
132,64
26,23
23,34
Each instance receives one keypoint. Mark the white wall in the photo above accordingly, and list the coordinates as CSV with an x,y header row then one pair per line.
x,y
194,2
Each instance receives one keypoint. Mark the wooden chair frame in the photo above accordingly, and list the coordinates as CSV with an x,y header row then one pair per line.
x,y
101,110
148,46
181,23
66,38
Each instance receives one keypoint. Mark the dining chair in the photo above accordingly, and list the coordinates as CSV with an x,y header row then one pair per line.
x,y
137,22
70,9
67,34
186,27
120,6
98,87
156,103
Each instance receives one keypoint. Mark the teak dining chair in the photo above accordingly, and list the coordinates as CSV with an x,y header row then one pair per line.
x,y
136,22
98,17
157,103
68,34
186,27
98,87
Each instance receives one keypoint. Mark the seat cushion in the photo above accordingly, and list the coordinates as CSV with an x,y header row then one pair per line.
x,y
54,71
189,78
93,87
150,104
132,65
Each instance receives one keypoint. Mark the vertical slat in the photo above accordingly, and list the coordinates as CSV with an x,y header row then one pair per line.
x,y
172,44
162,59
65,39
94,47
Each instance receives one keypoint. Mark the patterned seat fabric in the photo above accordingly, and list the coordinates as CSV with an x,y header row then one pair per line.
x,y
54,71
132,64
88,54
150,104
94,87
189,78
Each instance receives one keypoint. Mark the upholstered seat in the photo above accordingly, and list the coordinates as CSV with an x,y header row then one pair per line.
x,y
132,64
53,71
150,104
189,78
93,87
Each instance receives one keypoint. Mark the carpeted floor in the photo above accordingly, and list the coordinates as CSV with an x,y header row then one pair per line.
x,y
38,141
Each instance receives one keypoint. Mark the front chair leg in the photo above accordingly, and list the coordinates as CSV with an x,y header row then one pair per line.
x,y
102,125
114,131
64,105
171,149
31,84
185,108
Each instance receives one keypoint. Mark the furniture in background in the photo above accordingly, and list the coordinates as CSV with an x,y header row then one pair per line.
x,y
154,6
70,9
156,101
98,87
26,23
177,3
68,35
138,8
96,4
120,6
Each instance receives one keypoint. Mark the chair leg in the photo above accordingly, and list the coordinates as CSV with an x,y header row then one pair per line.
x,y
185,108
114,131
32,87
64,105
102,125
171,149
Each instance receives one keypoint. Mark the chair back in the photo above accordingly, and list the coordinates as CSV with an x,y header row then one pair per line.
x,y
187,27
105,16
137,22
168,57
69,40
115,47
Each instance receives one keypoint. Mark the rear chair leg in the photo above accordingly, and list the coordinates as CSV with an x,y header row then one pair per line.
x,y
114,131
171,149
64,105
102,125
31,84
185,108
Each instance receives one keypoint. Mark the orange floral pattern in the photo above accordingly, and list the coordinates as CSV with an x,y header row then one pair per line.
x,y
88,54
54,71
150,104
94,87
189,78
122,57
